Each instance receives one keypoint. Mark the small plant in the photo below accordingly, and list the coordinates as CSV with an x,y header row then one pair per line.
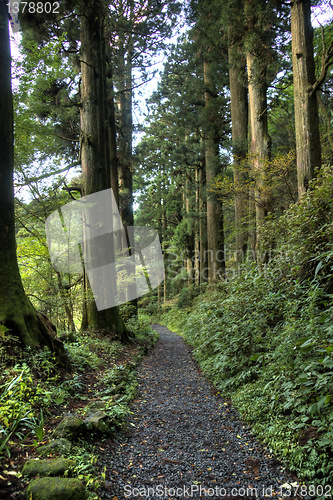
x,y
81,356
13,414
38,427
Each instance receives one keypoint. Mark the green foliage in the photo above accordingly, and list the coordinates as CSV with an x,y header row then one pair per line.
x,y
16,408
265,338
187,294
81,356
141,327
86,459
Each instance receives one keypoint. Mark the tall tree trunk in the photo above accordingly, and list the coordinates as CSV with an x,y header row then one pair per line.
x,y
308,148
94,137
113,154
125,164
67,304
188,263
215,236
164,228
16,312
197,228
125,140
161,226
239,127
260,139
203,218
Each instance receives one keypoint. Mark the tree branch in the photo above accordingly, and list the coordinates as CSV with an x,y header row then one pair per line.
x,y
45,176
326,62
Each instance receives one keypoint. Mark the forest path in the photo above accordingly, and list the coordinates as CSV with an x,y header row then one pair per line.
x,y
183,439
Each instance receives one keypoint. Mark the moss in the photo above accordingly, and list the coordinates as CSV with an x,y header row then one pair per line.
x,y
55,488
59,446
69,427
56,467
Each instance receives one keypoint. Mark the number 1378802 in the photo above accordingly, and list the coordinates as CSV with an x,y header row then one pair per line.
x,y
33,7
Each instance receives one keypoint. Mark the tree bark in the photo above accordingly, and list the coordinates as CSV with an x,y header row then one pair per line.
x,y
67,304
187,207
94,138
215,236
125,161
196,263
260,139
239,128
308,150
16,312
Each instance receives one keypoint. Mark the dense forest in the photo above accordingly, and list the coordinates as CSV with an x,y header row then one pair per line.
x,y
212,123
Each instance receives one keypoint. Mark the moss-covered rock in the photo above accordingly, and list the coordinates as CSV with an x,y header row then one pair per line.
x,y
70,427
57,446
56,488
97,420
55,467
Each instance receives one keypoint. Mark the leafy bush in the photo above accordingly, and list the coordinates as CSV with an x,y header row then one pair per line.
x,y
141,327
187,295
265,338
16,414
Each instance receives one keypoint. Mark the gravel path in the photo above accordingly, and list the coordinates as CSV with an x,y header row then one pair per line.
x,y
183,440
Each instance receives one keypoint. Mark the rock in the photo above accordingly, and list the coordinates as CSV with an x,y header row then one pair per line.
x,y
56,488
55,467
69,427
59,446
97,420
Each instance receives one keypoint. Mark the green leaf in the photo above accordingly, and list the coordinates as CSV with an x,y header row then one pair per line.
x,y
319,266
255,357
321,403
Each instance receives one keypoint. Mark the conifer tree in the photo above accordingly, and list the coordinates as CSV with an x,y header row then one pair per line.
x,y
16,312
308,150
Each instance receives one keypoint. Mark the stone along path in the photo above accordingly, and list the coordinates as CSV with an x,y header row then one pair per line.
x,y
183,440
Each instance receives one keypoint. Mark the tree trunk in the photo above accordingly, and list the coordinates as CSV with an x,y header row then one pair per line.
x,y
188,263
308,148
125,163
215,236
94,137
125,141
196,259
164,250
260,140
239,127
113,155
203,220
67,304
16,312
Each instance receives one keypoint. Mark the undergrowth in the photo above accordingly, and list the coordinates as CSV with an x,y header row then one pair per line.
x,y
31,389
265,338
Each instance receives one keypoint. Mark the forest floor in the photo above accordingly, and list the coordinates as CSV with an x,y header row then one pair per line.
x,y
12,484
183,440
